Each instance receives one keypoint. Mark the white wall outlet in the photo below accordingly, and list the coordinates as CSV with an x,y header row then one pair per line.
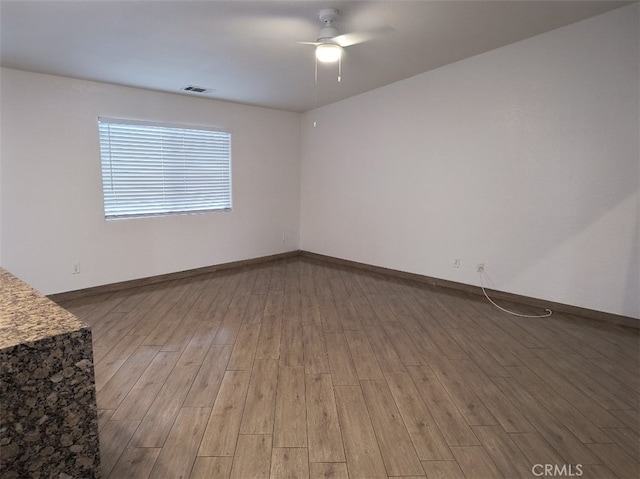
x,y
456,263
284,237
480,267
75,267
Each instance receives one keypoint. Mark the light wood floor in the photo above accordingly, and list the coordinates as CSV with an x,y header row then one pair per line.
x,y
296,369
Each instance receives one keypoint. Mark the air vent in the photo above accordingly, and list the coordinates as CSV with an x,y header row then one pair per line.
x,y
196,89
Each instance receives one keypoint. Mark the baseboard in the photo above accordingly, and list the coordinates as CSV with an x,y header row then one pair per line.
x,y
136,283
467,288
443,283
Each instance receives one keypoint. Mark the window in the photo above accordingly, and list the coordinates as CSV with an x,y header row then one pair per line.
x,y
150,169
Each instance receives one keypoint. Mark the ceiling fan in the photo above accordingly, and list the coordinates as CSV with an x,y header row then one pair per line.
x,y
330,45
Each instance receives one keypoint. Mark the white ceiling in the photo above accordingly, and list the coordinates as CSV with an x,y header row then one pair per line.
x,y
247,51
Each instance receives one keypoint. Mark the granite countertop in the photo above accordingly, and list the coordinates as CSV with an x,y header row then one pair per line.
x,y
27,316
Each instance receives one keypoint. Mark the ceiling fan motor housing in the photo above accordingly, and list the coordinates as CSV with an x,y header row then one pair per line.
x,y
328,50
328,31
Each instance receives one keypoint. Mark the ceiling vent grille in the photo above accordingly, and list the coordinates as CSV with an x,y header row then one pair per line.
x,y
196,89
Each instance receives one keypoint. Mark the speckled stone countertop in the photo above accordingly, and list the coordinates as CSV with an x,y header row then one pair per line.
x,y
27,316
48,418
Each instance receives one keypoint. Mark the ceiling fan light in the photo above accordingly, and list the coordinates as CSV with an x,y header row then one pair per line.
x,y
328,52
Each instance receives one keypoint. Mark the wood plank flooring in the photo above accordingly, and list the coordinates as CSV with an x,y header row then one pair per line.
x,y
301,369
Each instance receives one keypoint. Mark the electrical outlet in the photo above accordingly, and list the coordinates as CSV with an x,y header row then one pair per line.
x,y
480,267
75,267
456,263
284,237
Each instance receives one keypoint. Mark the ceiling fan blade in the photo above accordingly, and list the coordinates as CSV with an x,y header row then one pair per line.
x,y
309,43
348,39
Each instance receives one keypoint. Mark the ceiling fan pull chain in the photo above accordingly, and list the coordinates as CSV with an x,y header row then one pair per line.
x,y
315,87
315,90
339,69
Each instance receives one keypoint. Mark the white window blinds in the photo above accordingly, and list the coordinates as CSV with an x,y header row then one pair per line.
x,y
152,170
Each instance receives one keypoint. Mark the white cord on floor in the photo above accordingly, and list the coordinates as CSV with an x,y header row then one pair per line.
x,y
549,312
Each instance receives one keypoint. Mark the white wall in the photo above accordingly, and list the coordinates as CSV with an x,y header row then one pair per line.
x,y
0,174
525,158
52,213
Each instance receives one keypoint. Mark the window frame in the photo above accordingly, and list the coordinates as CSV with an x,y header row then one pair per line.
x,y
110,215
